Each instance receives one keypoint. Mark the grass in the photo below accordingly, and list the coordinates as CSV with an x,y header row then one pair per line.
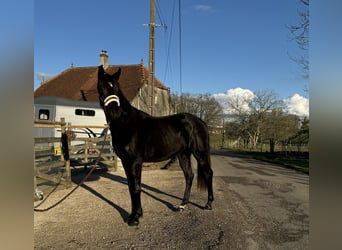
x,y
294,160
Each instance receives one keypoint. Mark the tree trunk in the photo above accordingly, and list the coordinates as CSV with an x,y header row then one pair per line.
x,y
272,145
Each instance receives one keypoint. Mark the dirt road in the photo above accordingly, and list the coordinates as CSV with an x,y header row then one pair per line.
x,y
257,206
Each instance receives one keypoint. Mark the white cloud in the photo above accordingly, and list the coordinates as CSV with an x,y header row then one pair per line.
x,y
40,78
297,105
43,76
204,8
240,97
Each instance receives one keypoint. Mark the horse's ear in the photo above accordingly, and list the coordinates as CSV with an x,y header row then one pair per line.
x,y
116,75
100,72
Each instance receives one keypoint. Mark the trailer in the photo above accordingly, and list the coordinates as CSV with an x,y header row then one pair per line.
x,y
51,108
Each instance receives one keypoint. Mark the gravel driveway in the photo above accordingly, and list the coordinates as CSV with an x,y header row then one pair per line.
x,y
257,206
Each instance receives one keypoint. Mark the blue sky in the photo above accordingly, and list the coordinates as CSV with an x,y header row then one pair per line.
x,y
226,44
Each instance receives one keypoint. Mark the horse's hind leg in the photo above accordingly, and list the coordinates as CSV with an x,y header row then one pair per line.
x,y
185,163
205,176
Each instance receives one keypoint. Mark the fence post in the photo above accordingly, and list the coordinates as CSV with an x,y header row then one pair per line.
x,y
86,146
34,176
65,152
115,162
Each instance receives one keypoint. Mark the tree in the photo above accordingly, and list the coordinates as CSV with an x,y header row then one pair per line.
x,y
237,131
300,34
261,105
251,117
43,77
204,106
302,135
279,127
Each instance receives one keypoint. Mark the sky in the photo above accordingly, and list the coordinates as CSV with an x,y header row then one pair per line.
x,y
218,46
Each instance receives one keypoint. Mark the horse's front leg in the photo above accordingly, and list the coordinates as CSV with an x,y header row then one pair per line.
x,y
133,173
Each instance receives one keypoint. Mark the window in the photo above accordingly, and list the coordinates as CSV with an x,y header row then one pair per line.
x,y
44,114
85,112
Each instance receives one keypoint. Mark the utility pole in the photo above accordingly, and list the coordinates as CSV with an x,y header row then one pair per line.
x,y
151,54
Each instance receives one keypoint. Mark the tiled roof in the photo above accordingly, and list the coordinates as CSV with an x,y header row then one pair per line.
x,y
80,83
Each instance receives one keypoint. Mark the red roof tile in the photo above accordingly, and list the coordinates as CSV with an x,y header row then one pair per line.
x,y
80,83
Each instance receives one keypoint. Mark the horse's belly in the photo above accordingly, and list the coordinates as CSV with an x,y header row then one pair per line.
x,y
161,149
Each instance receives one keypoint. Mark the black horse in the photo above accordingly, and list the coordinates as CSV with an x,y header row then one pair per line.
x,y
138,137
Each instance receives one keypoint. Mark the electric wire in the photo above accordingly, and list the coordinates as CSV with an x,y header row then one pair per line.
x,y
168,64
180,46
160,15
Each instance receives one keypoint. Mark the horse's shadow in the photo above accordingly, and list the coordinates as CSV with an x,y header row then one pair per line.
x,y
146,189
124,214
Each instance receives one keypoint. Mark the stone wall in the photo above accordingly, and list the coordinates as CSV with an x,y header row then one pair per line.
x,y
161,101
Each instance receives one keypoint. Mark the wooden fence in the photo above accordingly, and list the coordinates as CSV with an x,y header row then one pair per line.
x,y
55,156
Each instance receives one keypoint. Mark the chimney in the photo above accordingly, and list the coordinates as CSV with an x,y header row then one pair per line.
x,y
104,58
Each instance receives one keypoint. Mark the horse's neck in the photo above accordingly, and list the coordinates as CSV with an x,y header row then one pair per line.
x,y
131,111
124,126
129,118
140,114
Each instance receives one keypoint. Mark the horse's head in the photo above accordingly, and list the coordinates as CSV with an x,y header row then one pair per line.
x,y
108,88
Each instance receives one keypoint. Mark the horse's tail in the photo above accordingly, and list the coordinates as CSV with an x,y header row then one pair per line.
x,y
201,180
199,142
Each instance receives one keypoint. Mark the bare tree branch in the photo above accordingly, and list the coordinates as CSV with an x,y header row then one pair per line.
x,y
300,34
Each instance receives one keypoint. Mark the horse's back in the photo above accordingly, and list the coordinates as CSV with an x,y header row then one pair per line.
x,y
175,133
197,131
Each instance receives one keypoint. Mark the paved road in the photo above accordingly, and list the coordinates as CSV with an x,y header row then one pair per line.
x,y
271,201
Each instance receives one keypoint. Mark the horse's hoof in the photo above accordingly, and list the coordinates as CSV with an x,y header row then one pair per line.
x,y
133,222
181,208
207,207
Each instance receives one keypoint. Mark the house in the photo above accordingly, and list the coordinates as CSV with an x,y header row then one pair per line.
x,y
80,84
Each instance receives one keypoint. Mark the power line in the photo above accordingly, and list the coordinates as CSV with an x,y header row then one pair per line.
x,y
161,16
180,46
168,60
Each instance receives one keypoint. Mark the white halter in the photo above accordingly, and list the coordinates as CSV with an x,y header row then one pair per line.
x,y
111,98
